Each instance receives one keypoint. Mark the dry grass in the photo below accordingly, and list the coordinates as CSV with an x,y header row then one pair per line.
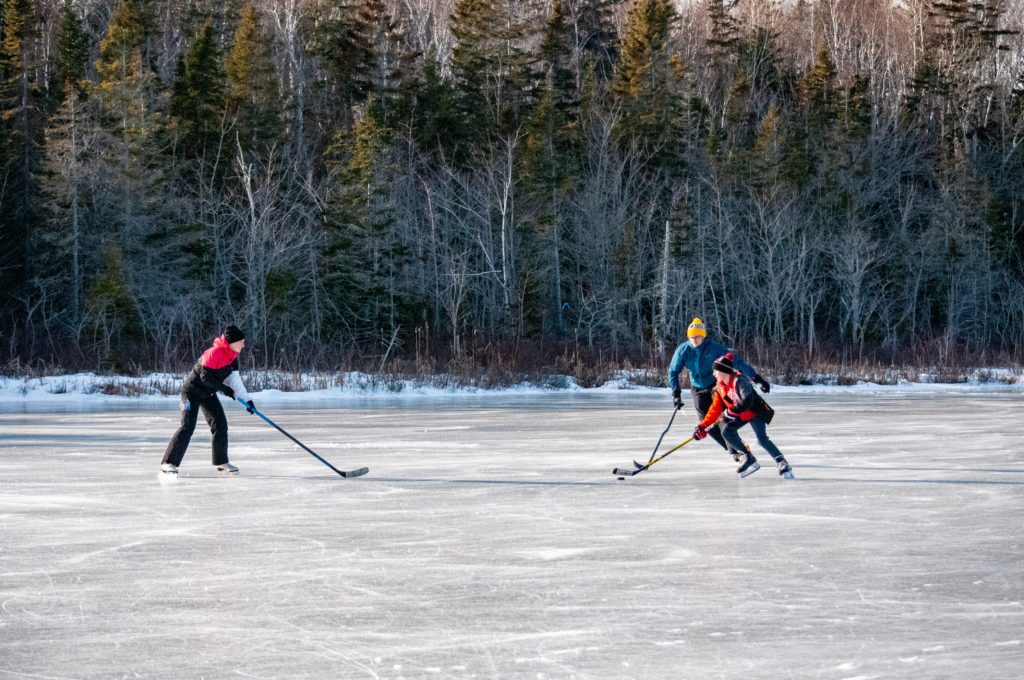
x,y
495,366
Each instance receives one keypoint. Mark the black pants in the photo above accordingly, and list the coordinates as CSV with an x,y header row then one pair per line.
x,y
214,414
702,402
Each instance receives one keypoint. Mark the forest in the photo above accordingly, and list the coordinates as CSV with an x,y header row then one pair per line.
x,y
446,184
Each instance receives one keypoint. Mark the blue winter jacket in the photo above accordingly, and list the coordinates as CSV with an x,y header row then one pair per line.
x,y
698,361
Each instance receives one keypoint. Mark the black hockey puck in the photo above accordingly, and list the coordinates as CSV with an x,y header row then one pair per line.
x,y
621,478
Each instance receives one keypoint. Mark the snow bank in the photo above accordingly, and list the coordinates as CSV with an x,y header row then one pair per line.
x,y
320,387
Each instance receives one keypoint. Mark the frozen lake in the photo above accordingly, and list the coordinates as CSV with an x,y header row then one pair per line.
x,y
490,540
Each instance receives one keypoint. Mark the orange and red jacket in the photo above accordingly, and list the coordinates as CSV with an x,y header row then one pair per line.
x,y
732,399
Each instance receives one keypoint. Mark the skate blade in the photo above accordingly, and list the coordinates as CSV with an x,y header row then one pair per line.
x,y
750,470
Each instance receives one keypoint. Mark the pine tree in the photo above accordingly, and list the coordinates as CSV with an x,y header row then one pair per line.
x,y
360,44
391,61
64,243
491,63
343,44
72,52
599,38
646,81
131,200
124,83
364,256
817,91
724,35
813,136
253,93
115,322
556,60
197,102
547,164
431,104
21,126
766,156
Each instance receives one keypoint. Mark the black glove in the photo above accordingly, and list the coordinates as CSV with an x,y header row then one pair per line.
x,y
762,383
677,398
250,407
227,391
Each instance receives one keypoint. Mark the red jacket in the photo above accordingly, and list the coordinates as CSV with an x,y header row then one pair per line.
x,y
731,398
214,367
218,356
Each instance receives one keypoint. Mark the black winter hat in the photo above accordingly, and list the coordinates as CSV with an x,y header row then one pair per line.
x,y
233,334
724,363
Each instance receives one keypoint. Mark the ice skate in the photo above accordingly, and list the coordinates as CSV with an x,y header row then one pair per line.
x,y
784,469
748,466
227,469
737,456
169,469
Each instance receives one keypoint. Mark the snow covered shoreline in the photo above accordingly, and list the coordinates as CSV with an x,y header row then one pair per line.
x,y
320,387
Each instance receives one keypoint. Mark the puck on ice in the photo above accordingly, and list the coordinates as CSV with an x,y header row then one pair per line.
x,y
621,478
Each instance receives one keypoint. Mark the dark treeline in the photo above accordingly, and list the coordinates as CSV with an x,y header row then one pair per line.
x,y
377,179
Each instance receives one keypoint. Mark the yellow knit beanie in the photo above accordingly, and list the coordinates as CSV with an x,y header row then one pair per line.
x,y
696,329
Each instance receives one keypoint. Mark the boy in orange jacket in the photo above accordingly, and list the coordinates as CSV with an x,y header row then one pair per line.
x,y
735,400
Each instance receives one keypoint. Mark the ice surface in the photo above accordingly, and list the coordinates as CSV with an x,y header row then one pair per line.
x,y
491,541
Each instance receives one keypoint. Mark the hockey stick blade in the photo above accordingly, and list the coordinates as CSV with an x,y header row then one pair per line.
x,y
625,472
354,473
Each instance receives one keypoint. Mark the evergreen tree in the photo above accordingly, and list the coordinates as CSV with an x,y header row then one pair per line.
x,y
391,61
432,106
594,20
364,256
360,44
648,76
112,307
21,125
343,43
724,35
197,102
130,200
124,83
812,137
547,164
64,245
766,156
491,63
253,93
556,59
72,53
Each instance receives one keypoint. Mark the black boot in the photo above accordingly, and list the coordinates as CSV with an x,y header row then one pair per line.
x,y
737,456
748,466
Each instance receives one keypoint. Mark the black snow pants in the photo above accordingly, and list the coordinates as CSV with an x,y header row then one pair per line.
x,y
215,418
702,402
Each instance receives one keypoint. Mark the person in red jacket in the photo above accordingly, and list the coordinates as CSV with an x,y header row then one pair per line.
x,y
216,371
737,404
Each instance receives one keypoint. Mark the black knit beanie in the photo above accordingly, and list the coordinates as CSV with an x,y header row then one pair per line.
x,y
233,334
724,364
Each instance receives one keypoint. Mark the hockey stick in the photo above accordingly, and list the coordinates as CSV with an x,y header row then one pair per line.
x,y
623,472
638,468
658,445
343,473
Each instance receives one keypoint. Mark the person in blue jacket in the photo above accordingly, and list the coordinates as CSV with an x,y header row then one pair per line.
x,y
697,355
